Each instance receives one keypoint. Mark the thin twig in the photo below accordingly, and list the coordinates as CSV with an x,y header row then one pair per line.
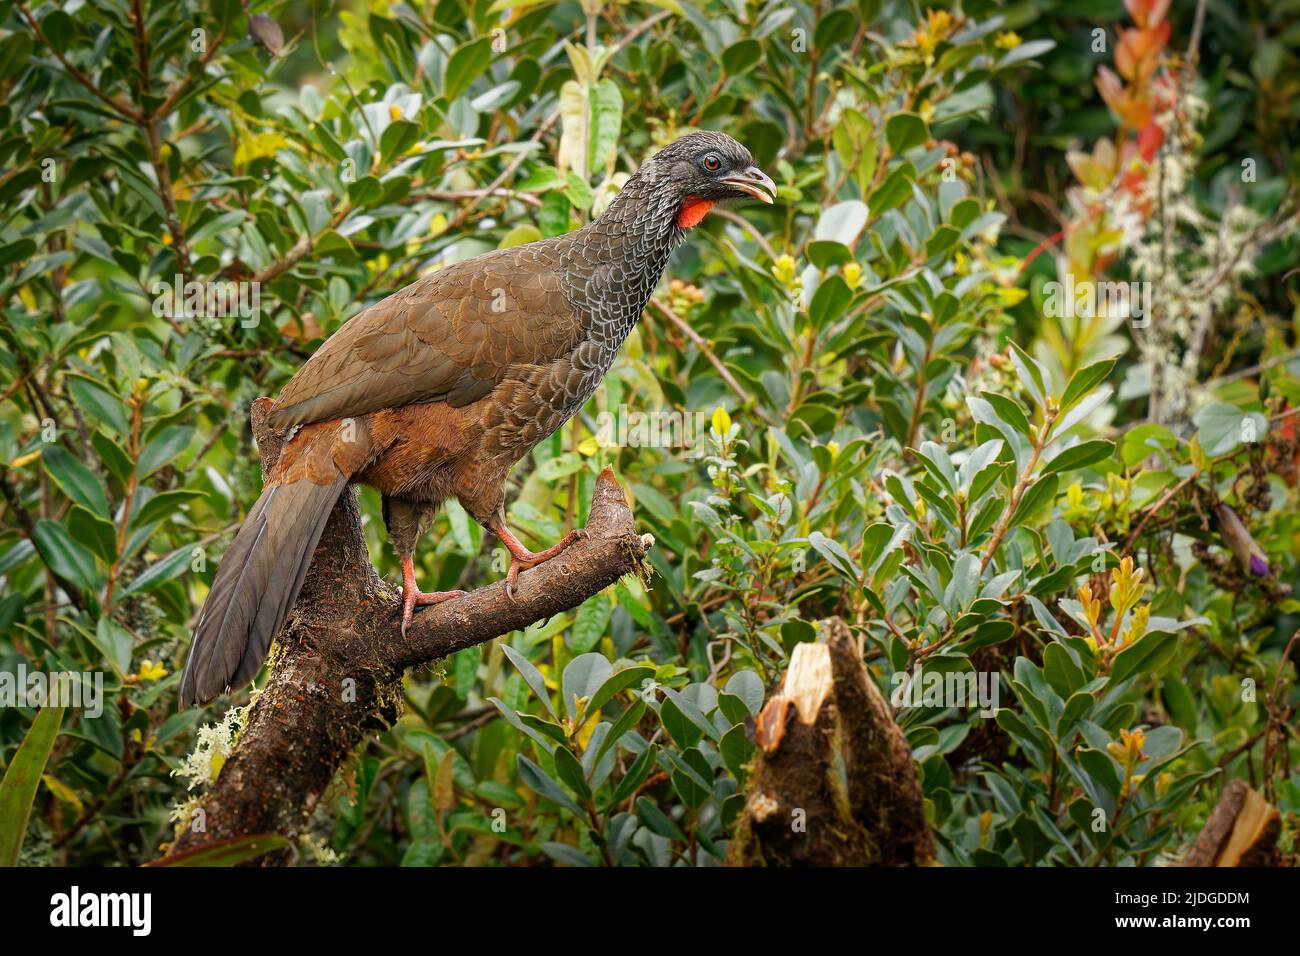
x,y
703,346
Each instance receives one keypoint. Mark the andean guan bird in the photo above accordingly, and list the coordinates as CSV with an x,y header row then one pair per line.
x,y
439,389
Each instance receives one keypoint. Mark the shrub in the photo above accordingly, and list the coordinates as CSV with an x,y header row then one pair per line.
x,y
885,427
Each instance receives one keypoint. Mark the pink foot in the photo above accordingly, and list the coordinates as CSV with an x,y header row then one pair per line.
x,y
412,596
521,557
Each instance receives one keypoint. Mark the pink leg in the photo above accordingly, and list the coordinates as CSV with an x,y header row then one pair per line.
x,y
411,595
521,557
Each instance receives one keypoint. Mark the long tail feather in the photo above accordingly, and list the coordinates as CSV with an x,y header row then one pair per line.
x,y
255,587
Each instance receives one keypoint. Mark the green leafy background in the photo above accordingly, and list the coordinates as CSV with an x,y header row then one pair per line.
x,y
902,442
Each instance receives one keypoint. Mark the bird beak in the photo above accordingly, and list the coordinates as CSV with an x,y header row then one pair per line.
x,y
753,182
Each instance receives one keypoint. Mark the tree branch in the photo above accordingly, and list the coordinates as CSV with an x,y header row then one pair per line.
x,y
337,675
118,106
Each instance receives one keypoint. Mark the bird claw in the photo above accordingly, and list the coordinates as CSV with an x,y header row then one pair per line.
x,y
411,598
530,559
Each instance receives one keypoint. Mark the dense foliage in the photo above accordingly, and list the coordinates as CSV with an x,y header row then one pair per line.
x,y
890,416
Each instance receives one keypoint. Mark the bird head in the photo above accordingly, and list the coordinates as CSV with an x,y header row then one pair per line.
x,y
695,173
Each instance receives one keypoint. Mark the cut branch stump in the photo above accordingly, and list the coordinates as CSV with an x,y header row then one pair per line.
x,y
833,782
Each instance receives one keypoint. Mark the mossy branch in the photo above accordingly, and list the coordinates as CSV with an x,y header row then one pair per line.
x,y
337,676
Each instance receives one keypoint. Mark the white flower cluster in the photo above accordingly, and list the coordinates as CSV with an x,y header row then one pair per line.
x,y
215,744
1195,265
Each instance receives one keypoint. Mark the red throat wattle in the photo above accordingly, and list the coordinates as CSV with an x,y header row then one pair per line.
x,y
693,210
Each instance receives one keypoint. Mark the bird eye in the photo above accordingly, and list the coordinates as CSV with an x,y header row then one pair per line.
x,y
712,163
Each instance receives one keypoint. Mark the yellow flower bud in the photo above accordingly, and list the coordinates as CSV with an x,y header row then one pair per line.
x,y
1091,606
1074,495
149,670
721,422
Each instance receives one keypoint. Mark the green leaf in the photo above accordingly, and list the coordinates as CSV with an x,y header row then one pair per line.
x,y
748,686
465,665
1143,441
77,481
465,66
834,552
742,56
842,222
1147,656
1222,428
1040,493
942,241
1009,411
531,675
829,302
1100,769
1080,456
163,448
590,623
606,122
655,820
1083,381
903,131
636,775
690,712
227,852
68,559
627,677
400,136
1076,708
112,455
501,5
828,253
683,732
626,721
1031,374
571,773
18,251
537,780
736,750
161,505
1060,670
115,643
552,730
565,854
96,533
975,463
535,729
1025,51
962,587
894,191
162,571
21,779
1089,404
100,403
583,677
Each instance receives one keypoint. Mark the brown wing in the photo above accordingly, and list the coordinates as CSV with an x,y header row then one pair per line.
x,y
450,337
